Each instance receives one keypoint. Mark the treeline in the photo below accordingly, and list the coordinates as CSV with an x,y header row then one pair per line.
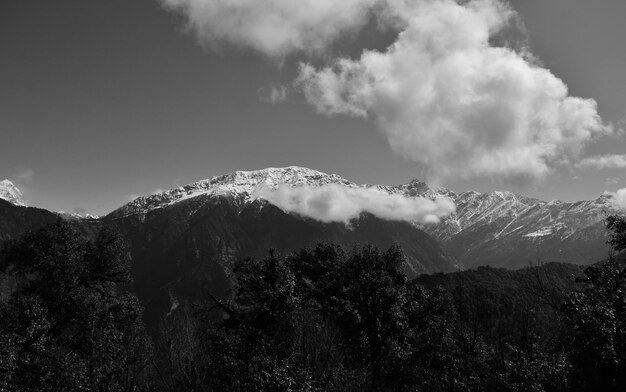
x,y
321,319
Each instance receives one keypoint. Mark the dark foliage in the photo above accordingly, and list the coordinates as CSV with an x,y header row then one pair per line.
x,y
330,320
320,319
68,326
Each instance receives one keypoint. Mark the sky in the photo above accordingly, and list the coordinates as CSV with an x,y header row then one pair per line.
x,y
101,101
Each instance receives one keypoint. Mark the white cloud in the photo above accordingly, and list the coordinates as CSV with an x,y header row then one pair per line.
x,y
274,28
337,203
447,98
612,181
600,162
618,198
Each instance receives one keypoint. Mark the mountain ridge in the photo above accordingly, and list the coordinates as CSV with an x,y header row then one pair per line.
x,y
241,181
498,228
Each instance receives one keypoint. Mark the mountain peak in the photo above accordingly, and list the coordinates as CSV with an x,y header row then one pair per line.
x,y
240,184
10,193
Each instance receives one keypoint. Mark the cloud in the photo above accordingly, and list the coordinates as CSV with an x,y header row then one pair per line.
x,y
600,162
612,181
618,199
275,28
448,98
273,94
337,203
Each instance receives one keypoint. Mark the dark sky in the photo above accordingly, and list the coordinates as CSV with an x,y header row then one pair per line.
x,y
101,101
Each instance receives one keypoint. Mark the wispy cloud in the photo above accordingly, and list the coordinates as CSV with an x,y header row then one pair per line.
x,y
601,162
337,203
612,181
273,94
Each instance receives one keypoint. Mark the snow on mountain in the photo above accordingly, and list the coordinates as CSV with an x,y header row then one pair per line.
x,y
508,212
505,229
240,184
497,228
10,193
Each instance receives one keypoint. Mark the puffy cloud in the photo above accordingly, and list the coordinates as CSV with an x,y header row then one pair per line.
x,y
446,97
618,198
275,28
600,162
337,203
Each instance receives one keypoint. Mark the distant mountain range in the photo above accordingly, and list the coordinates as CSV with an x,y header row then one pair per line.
x,y
184,241
495,228
503,229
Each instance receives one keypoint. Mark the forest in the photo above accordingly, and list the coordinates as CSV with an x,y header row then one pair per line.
x,y
320,319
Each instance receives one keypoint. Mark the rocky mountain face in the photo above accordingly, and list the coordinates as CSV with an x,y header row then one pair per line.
x,y
507,230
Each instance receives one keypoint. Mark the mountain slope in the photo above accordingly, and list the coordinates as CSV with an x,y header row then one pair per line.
x,y
183,249
508,230
16,220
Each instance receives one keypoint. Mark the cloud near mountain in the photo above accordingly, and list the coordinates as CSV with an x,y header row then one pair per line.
x,y
444,94
447,98
618,198
338,203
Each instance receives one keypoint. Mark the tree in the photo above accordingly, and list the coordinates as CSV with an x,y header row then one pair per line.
x,y
596,321
69,323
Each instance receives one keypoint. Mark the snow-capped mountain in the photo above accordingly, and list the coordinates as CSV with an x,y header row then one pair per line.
x,y
240,184
10,193
185,241
496,228
505,229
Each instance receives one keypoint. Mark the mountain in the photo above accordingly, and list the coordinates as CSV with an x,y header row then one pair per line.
x,y
10,193
503,229
497,228
185,241
15,217
240,185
